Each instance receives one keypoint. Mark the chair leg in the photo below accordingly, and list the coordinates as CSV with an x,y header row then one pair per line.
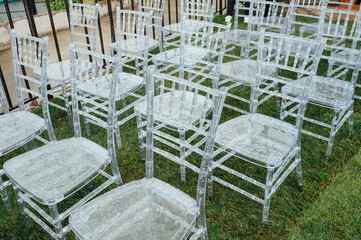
x,y
241,91
210,180
283,109
21,203
182,134
87,127
140,138
278,103
117,133
4,195
268,194
137,65
124,104
67,104
55,216
33,144
299,169
350,122
331,139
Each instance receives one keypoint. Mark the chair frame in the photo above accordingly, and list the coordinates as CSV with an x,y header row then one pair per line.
x,y
278,167
76,21
192,10
55,218
337,70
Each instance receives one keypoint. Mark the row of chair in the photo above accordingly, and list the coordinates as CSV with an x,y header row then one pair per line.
x,y
183,87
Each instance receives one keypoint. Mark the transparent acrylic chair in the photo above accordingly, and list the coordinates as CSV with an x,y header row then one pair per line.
x,y
199,68
331,13
133,30
151,208
198,53
307,18
345,45
277,13
197,11
19,128
336,90
50,174
155,8
135,26
83,33
241,69
260,140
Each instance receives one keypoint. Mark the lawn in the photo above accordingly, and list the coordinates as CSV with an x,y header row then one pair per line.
x,y
231,215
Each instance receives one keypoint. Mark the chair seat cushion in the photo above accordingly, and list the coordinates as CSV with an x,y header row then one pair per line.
x,y
60,72
191,27
326,91
134,45
57,169
328,29
244,70
18,128
99,87
172,113
237,36
143,209
258,138
345,57
192,56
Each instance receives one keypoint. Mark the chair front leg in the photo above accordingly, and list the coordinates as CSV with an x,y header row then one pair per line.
x,y
268,194
331,139
4,194
22,206
67,104
299,169
350,121
140,137
182,133
57,221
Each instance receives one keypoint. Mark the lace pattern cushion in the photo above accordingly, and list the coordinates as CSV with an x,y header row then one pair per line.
x,y
192,27
56,170
257,137
237,36
172,113
192,56
134,45
326,91
349,56
327,28
144,209
17,128
244,70
100,86
60,72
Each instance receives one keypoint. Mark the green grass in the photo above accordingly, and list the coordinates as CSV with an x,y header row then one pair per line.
x,y
230,215
336,214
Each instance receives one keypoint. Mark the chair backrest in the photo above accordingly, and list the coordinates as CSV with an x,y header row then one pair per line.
x,y
307,13
102,79
133,26
30,54
84,25
212,40
157,7
182,106
342,25
297,59
272,15
198,9
3,104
